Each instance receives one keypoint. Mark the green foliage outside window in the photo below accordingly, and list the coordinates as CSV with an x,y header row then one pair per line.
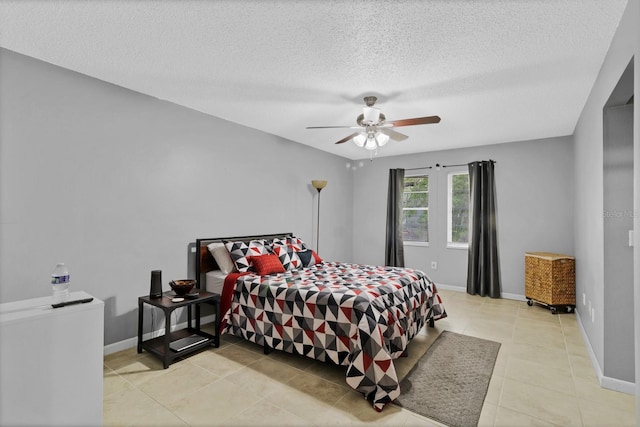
x,y
459,208
415,209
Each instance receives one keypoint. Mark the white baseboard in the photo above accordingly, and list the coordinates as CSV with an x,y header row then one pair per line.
x,y
450,287
446,287
516,297
133,342
120,345
618,385
604,381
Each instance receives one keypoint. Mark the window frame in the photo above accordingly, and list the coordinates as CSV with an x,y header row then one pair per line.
x,y
413,242
450,244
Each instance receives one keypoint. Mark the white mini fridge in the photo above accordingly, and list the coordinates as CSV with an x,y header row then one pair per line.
x,y
51,362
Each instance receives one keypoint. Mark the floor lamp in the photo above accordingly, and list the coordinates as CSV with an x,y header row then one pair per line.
x,y
318,185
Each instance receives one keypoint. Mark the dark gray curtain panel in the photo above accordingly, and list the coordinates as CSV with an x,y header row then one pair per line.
x,y
394,249
483,274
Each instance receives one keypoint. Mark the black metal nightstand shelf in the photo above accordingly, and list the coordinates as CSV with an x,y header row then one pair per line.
x,y
168,347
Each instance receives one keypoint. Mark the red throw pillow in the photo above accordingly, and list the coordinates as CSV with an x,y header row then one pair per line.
x,y
267,264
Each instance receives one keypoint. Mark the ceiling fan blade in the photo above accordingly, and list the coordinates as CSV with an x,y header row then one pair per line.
x,y
396,136
415,121
346,138
329,127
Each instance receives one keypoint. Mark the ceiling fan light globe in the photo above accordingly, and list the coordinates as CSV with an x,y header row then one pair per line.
x,y
382,139
371,115
359,140
370,144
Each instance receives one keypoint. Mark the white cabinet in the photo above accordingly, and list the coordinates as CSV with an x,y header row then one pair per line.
x,y
51,362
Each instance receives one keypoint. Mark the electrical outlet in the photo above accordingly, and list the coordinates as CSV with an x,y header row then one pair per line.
x,y
434,265
593,315
584,299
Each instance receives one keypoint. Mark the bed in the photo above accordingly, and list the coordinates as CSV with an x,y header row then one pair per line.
x,y
358,316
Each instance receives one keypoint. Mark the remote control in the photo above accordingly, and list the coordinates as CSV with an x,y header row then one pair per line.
x,y
77,301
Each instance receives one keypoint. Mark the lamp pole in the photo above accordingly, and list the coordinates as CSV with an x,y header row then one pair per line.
x,y
318,185
318,225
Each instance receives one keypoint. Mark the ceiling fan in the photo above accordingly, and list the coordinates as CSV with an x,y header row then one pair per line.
x,y
374,131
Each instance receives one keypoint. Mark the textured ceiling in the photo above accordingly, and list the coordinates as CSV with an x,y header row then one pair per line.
x,y
493,70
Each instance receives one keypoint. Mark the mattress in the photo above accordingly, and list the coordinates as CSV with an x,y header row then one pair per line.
x,y
214,281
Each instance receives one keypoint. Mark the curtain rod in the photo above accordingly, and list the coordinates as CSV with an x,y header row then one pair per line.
x,y
438,165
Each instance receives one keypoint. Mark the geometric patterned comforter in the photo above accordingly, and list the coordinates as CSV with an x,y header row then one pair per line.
x,y
358,316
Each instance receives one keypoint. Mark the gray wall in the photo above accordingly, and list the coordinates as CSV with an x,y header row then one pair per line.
x,y
116,183
534,186
633,10
618,255
589,208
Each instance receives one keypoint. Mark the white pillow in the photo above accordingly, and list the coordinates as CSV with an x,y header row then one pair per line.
x,y
222,257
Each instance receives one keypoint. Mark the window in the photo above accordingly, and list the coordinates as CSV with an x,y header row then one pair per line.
x,y
458,210
415,209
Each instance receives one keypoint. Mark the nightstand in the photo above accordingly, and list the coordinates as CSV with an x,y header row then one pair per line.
x,y
179,343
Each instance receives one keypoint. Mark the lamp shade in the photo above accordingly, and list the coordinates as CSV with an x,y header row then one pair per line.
x,y
360,139
319,184
371,143
382,139
371,115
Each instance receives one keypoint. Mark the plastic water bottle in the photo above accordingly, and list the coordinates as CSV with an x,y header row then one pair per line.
x,y
60,283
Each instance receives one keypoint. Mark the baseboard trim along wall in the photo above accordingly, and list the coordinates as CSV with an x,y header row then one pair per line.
x,y
446,287
605,382
133,342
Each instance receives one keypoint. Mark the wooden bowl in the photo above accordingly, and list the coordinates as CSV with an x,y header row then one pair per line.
x,y
182,287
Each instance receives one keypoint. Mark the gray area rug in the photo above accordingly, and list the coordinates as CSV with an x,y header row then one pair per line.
x,y
450,381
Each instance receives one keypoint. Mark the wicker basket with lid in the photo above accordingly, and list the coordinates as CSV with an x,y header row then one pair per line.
x,y
550,279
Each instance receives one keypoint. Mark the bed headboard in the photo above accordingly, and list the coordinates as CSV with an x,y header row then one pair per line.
x,y
205,261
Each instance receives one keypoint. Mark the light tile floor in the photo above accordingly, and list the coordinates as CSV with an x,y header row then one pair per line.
x,y
542,377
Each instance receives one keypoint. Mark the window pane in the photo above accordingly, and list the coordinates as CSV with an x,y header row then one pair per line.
x,y
415,199
415,225
459,214
415,204
416,183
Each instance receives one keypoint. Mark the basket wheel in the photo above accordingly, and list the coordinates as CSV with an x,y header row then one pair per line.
x,y
554,310
529,303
